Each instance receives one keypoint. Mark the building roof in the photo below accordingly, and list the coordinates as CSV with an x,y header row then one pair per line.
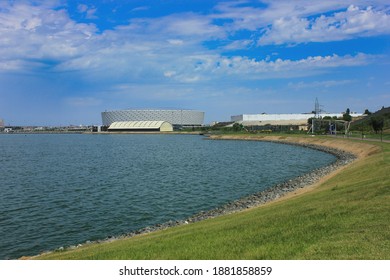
x,y
138,125
175,117
274,122
283,117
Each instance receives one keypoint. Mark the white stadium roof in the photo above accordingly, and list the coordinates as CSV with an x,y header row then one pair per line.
x,y
141,125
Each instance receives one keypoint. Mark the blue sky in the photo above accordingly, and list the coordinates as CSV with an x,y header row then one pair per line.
x,y
64,62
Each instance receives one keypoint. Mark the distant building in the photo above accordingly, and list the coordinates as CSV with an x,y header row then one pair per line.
x,y
281,119
1,123
178,118
141,126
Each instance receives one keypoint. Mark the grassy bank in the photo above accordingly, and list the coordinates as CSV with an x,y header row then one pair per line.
x,y
345,216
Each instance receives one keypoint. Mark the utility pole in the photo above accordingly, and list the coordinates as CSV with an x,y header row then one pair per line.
x,y
317,112
317,109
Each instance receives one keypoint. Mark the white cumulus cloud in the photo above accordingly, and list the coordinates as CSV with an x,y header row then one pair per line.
x,y
352,23
29,32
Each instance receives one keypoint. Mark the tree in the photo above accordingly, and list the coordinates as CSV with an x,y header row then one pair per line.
x,y
237,127
346,116
377,124
366,112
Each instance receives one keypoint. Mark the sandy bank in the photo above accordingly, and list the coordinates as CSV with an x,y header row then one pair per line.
x,y
336,146
359,149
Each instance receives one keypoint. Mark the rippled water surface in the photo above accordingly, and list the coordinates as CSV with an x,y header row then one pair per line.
x,y
59,190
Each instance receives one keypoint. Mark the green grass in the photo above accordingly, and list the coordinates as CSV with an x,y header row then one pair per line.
x,y
370,135
346,217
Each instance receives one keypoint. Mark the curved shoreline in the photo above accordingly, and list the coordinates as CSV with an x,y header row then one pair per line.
x,y
270,194
273,193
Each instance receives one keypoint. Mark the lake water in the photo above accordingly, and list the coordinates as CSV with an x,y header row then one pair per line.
x,y
61,190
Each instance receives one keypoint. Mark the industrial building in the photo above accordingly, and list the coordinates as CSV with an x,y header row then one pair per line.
x,y
178,118
281,122
281,119
141,126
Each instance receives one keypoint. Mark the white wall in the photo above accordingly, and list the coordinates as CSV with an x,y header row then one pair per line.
x,y
279,117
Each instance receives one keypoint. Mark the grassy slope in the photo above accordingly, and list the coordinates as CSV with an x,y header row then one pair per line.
x,y
345,217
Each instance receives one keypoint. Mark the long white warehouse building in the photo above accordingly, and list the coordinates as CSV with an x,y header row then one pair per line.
x,y
282,118
174,117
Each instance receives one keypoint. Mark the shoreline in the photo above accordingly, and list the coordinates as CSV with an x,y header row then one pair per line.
x,y
272,194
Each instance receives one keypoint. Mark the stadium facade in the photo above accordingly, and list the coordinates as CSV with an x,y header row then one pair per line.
x,y
178,118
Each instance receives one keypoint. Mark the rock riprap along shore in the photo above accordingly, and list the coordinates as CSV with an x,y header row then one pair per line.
x,y
262,197
270,194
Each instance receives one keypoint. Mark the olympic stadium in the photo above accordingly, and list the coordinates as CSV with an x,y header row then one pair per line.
x,y
178,118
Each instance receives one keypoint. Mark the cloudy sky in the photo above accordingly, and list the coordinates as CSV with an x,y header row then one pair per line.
x,y
64,62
